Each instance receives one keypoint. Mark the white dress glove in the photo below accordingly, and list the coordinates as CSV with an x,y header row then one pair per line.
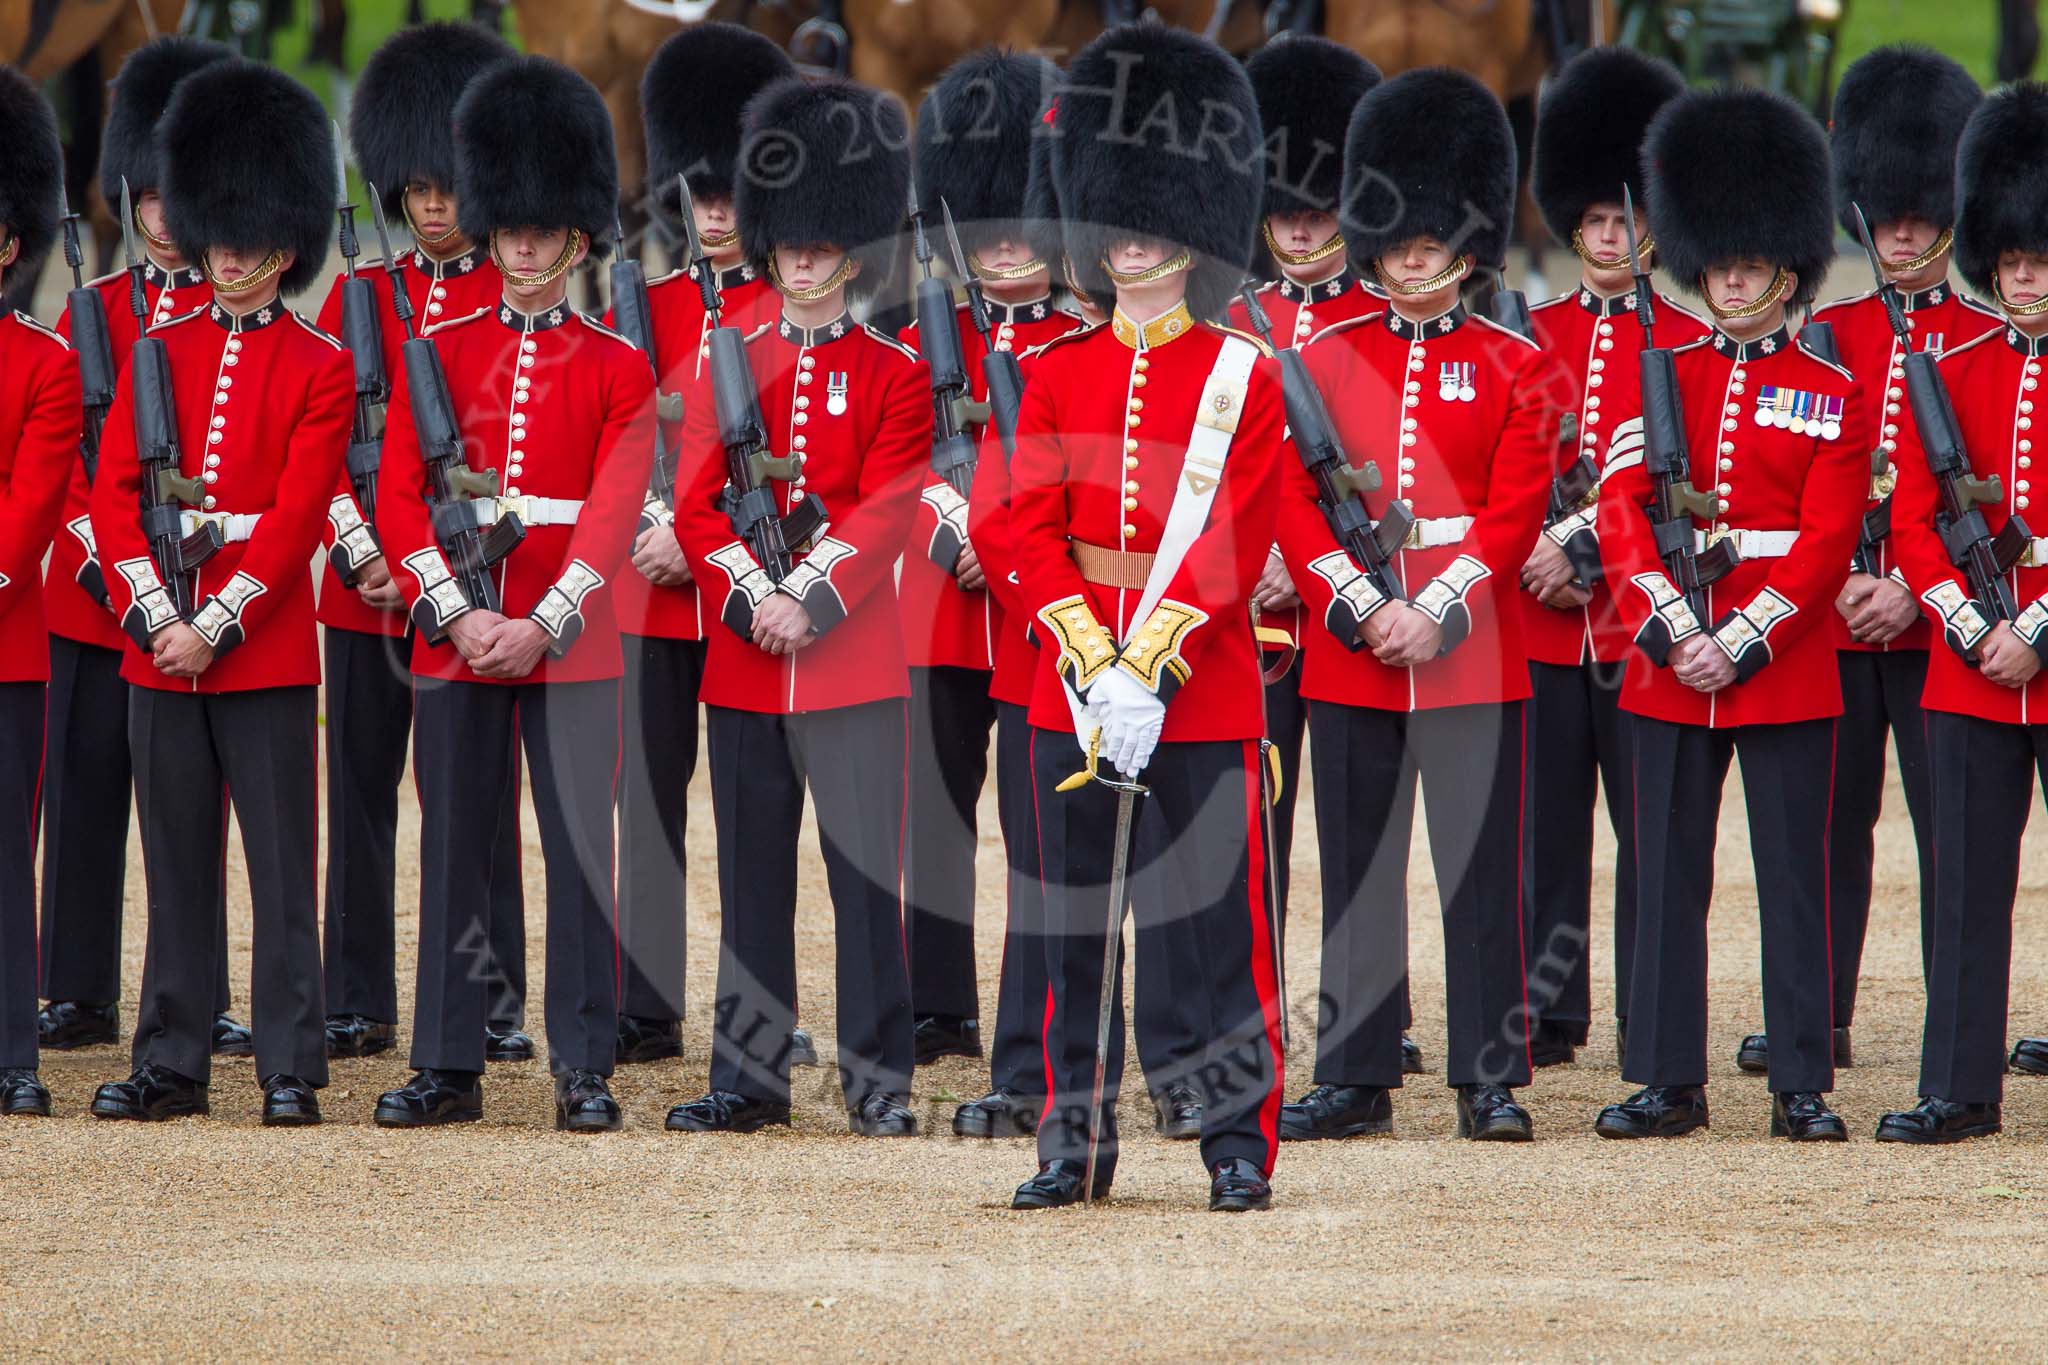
x,y
1130,718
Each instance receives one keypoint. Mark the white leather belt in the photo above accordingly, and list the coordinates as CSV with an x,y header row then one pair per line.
x,y
539,511
1750,544
1432,533
234,526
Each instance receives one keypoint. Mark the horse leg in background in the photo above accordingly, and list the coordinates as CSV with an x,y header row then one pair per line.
x,y
2019,38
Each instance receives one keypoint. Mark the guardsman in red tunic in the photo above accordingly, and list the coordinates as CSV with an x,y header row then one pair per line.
x,y
691,98
1779,453
400,125
1141,514
1462,417
86,788
223,662
1897,115
1986,701
560,411
1587,135
804,683
40,424
974,134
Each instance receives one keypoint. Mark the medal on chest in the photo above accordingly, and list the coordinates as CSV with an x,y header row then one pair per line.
x,y
835,392
1454,381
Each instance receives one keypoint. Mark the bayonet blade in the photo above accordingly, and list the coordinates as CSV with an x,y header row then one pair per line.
x,y
1869,246
340,169
377,217
689,206
1628,218
127,223
953,238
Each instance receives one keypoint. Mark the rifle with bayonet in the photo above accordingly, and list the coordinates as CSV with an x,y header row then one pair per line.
x,y
633,319
92,342
999,369
1961,496
356,545
1572,490
456,494
166,492
938,339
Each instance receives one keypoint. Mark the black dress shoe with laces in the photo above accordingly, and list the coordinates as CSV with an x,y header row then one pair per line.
x,y
584,1104
1936,1120
933,1036
151,1093
1338,1111
65,1024
1411,1057
358,1035
1550,1044
431,1098
1488,1113
648,1040
1059,1183
881,1115
1237,1186
232,1038
1657,1111
2029,1055
802,1051
23,1094
289,1102
726,1111
1177,1111
1000,1113
1804,1116
507,1045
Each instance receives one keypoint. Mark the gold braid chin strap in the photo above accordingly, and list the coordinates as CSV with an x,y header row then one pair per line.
x,y
718,241
160,243
1925,258
255,279
840,276
1780,282
545,277
1457,270
1646,247
1299,258
2019,310
420,238
1007,273
1172,265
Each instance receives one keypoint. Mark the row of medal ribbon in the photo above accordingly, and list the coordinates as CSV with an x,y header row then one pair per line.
x,y
1799,412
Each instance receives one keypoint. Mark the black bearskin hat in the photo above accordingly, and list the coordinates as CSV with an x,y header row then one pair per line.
x,y
1306,88
533,148
31,174
1898,113
1589,132
1429,153
691,100
248,162
2001,183
1157,135
403,114
825,162
1737,173
141,92
1041,195
974,136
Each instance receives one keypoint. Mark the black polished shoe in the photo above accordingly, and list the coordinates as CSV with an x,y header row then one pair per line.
x,y
1237,1186
2029,1055
1550,1044
232,1039
65,1024
648,1040
1754,1056
1338,1111
1058,1183
151,1093
802,1051
584,1104
289,1102
507,1045
358,1035
933,1036
881,1115
1935,1120
725,1111
1488,1113
1411,1057
432,1097
1657,1111
1177,1111
998,1114
23,1094
1804,1116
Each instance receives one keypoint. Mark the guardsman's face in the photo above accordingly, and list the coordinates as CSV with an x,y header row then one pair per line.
x,y
2022,277
1135,255
431,209
150,209
1737,284
1302,232
1905,239
1004,254
530,251
1416,260
1603,228
807,267
231,263
715,220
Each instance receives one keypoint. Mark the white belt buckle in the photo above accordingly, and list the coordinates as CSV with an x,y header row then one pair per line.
x,y
195,520
1732,534
521,505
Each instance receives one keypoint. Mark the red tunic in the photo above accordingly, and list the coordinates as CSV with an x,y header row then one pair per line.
x,y
40,419
1941,319
439,290
74,613
263,407
1102,446
857,406
943,625
1594,341
1993,383
1471,408
1771,612
560,408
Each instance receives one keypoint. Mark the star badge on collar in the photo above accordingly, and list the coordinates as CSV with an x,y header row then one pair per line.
x,y
1586,297
838,329
1443,324
555,317
1038,312
746,272
466,264
263,316
1770,344
1934,294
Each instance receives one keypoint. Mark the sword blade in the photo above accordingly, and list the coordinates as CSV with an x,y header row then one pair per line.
x,y
1112,984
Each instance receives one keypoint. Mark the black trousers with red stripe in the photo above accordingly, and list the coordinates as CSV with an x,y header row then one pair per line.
x,y
1880,692
658,693
1366,763
851,759
951,715
1786,782
369,725
1286,726
1016,1057
1198,878
87,788
463,753
1578,751
21,771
